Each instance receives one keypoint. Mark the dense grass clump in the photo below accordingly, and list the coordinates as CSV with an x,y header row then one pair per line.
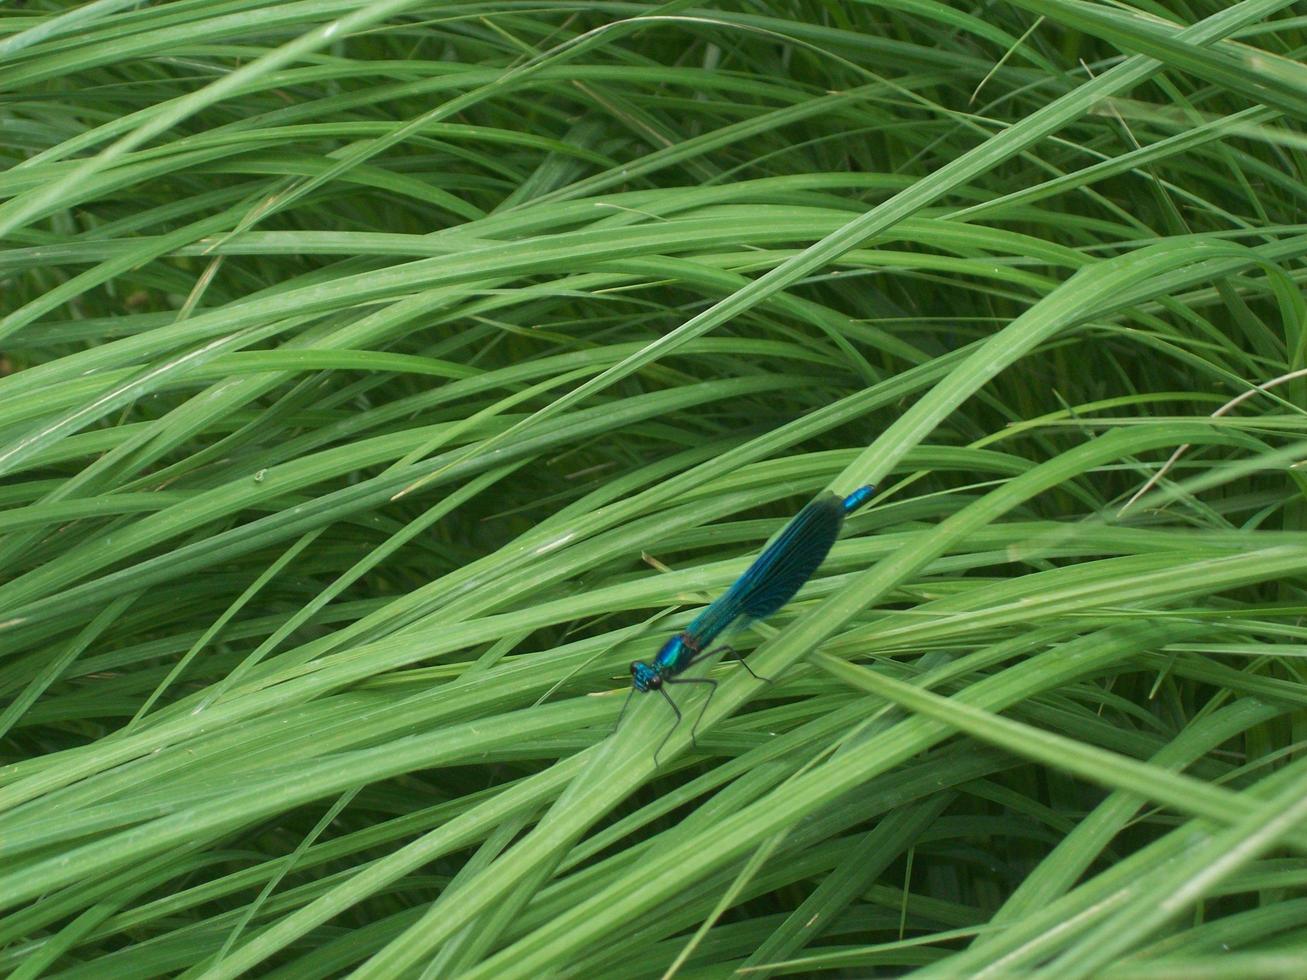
x,y
380,377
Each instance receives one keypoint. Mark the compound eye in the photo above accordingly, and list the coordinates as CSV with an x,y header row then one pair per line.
x,y
635,667
655,682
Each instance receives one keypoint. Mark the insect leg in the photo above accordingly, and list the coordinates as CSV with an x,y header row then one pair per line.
x,y
732,652
668,698
622,714
695,680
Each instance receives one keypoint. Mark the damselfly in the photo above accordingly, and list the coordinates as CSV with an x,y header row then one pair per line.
x,y
766,585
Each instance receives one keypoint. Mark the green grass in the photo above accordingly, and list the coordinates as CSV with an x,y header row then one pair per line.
x,y
378,379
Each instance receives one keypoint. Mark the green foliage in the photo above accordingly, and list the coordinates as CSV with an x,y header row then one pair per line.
x,y
380,378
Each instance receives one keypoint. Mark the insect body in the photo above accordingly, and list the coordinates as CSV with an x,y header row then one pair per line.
x,y
766,585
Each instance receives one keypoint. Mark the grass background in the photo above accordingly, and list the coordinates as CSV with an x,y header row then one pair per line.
x,y
380,378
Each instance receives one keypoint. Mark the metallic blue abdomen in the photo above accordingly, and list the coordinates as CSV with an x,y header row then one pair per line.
x,y
857,498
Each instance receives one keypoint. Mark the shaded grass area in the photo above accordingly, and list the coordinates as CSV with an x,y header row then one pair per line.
x,y
380,379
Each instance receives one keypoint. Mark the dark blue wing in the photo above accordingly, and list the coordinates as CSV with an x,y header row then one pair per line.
x,y
790,560
779,572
